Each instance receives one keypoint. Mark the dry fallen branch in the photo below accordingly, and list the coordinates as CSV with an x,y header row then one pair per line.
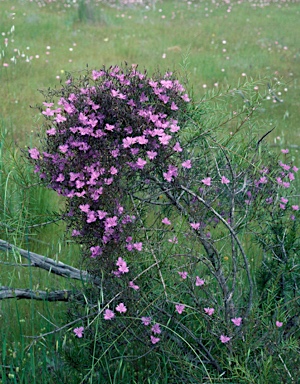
x,y
17,293
50,265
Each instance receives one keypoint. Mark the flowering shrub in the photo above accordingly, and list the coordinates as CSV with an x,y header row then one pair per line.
x,y
106,130
167,208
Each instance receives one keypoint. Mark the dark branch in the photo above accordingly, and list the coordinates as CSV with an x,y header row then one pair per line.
x,y
239,244
50,265
18,293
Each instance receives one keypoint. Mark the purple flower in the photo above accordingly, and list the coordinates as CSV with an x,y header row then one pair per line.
x,y
177,147
78,331
207,181
174,106
122,265
91,217
109,127
154,339
286,184
166,221
286,167
209,311
156,328
199,282
108,314
48,104
183,275
168,84
34,153
138,246
96,74
48,112
133,286
224,339
185,98
164,98
153,83
284,200
224,180
84,208
167,176
51,131
180,308
79,184
128,141
115,153
164,139
60,178
101,214
237,321
151,154
114,93
142,140
291,176
111,222
131,103
187,164
174,128
95,251
143,98
173,170
141,163
123,268
279,324
121,308
59,118
146,320
108,181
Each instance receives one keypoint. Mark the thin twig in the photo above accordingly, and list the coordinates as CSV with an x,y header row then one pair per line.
x,y
286,368
237,241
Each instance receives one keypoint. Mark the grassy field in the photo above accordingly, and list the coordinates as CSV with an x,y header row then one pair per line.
x,y
212,46
218,44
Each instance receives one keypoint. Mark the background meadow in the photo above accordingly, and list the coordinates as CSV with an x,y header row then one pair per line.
x,y
213,46
219,43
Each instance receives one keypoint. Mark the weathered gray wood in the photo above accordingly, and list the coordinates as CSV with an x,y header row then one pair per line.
x,y
18,293
50,265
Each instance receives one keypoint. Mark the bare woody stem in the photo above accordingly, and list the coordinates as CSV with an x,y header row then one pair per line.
x,y
18,293
210,250
50,265
233,233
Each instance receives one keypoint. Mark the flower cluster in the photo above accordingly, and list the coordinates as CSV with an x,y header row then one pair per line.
x,y
107,126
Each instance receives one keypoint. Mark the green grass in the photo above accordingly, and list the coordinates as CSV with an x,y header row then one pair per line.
x,y
255,37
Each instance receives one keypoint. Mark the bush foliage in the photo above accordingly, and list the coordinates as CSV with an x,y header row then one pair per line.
x,y
190,223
